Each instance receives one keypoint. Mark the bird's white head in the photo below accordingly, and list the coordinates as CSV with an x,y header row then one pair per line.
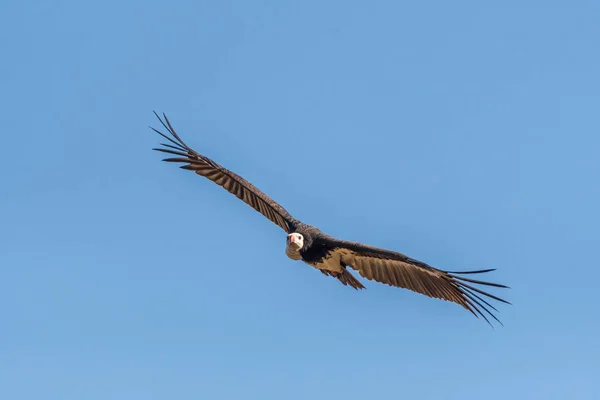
x,y
294,242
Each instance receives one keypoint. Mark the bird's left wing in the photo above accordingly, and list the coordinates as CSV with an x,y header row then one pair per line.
x,y
396,269
223,177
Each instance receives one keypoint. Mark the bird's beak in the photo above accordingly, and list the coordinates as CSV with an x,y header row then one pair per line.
x,y
290,239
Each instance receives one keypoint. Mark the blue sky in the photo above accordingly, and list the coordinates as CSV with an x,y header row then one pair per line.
x,y
464,135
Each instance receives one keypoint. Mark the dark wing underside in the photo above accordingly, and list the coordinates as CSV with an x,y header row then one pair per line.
x,y
232,182
396,269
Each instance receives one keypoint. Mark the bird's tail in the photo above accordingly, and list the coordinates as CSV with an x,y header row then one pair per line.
x,y
345,277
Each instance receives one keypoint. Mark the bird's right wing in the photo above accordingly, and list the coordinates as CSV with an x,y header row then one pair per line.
x,y
232,182
396,269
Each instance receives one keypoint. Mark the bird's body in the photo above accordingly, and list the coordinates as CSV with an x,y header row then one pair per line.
x,y
333,256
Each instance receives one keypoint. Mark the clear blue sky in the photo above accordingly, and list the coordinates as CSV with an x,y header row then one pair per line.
x,y
464,135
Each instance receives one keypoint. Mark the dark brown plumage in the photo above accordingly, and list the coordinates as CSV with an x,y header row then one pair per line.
x,y
223,177
332,256
396,269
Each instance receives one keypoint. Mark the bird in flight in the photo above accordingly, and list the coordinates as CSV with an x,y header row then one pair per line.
x,y
333,256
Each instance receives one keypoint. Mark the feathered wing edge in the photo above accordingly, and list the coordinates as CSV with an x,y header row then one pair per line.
x,y
470,293
230,181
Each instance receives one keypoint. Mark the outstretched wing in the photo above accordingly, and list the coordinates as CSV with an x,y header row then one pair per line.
x,y
396,269
232,182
